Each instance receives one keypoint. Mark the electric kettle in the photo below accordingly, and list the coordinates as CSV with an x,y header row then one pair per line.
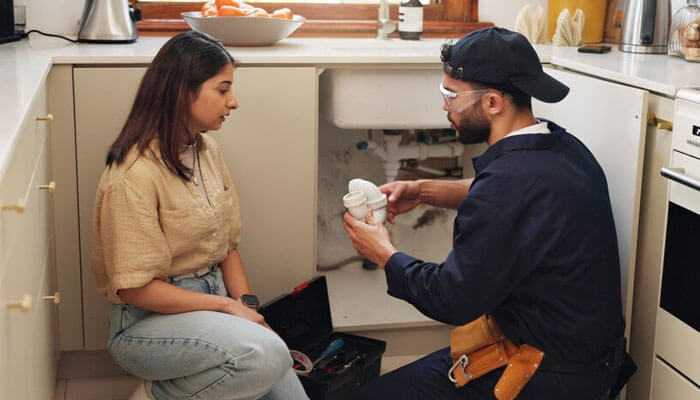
x,y
645,28
108,21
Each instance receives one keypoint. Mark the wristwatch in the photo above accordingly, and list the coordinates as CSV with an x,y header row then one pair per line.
x,y
251,301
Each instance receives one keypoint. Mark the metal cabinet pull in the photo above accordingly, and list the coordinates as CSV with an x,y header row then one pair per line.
x,y
48,117
19,206
55,299
659,123
678,175
51,187
25,304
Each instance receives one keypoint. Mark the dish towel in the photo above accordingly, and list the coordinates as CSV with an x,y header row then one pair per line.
x,y
569,30
530,22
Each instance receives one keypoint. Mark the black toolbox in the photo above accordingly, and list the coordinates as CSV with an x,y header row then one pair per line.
x,y
303,319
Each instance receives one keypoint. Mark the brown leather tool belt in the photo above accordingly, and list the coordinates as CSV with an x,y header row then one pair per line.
x,y
480,347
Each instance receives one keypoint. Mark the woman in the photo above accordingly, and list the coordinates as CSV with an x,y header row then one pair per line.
x,y
167,225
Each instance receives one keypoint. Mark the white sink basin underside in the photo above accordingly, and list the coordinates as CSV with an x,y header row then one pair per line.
x,y
383,98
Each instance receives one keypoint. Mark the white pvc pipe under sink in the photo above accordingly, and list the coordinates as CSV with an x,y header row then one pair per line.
x,y
392,152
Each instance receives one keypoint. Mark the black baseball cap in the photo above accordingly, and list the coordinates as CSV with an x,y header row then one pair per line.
x,y
503,59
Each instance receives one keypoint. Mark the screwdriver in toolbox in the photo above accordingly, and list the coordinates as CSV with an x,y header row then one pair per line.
x,y
332,348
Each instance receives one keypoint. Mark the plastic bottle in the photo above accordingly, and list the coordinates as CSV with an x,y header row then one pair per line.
x,y
410,20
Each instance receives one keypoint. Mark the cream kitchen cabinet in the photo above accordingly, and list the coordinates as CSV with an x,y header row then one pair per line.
x,y
650,245
610,119
270,144
28,345
632,139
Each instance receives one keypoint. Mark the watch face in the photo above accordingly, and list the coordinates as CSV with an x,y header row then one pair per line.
x,y
250,300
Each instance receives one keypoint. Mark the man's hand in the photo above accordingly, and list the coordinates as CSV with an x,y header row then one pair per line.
x,y
403,197
370,240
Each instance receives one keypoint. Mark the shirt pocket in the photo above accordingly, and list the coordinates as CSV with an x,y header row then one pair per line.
x,y
185,227
229,213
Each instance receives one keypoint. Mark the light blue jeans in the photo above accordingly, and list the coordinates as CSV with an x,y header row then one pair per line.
x,y
203,355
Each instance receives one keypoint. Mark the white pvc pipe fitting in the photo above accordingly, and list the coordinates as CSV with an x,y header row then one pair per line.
x,y
376,200
356,203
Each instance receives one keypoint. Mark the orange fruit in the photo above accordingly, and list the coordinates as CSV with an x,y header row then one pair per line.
x,y
282,13
232,3
231,11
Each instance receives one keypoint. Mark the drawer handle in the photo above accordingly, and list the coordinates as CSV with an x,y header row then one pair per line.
x,y
55,299
678,175
51,187
25,304
19,206
659,123
48,117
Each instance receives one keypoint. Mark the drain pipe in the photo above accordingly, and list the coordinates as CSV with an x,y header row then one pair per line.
x,y
391,151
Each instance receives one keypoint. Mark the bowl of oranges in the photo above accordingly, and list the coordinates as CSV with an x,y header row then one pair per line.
x,y
236,23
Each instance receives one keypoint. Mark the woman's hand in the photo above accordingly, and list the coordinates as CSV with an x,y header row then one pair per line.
x,y
403,197
237,308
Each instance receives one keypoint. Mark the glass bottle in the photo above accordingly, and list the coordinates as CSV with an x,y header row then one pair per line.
x,y
686,15
410,20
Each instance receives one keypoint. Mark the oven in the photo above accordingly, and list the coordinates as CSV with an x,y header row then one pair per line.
x,y
678,318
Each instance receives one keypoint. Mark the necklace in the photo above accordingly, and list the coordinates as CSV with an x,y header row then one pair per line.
x,y
194,164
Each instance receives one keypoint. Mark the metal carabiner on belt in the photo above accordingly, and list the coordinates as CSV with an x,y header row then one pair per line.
x,y
462,362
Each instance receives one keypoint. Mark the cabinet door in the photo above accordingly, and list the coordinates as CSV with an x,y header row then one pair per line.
x,y
611,120
103,98
650,248
270,144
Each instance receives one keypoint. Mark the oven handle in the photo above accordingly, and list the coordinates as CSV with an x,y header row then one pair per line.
x,y
678,175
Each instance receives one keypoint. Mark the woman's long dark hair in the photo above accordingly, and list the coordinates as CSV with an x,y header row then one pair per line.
x,y
162,108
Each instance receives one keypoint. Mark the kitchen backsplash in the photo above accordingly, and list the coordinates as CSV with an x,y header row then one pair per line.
x,y
63,16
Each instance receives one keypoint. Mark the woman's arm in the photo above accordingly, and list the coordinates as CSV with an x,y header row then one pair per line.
x,y
235,277
164,298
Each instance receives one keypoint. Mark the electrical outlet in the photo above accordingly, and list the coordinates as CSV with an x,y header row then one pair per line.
x,y
20,17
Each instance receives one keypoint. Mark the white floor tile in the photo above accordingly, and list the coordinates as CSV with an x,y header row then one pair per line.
x,y
110,388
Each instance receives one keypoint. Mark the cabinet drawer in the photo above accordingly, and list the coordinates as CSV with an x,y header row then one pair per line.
x,y
32,138
667,384
16,338
27,233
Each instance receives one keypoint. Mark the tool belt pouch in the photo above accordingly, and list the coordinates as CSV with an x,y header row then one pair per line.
x,y
480,347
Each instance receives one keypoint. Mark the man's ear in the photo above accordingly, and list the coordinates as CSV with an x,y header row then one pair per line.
x,y
494,103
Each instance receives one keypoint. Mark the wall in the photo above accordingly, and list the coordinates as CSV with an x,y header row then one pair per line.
x,y
503,12
53,16
64,15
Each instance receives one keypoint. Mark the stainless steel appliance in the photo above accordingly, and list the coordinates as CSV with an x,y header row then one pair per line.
x,y
108,21
678,318
646,26
7,22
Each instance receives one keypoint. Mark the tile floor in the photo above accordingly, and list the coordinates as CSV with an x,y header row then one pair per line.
x,y
92,376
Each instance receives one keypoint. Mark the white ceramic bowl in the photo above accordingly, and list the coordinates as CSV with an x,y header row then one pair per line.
x,y
244,31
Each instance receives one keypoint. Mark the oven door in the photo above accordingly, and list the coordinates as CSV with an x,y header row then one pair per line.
x,y
678,321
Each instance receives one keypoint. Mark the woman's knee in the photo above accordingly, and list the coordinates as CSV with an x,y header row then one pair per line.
x,y
266,361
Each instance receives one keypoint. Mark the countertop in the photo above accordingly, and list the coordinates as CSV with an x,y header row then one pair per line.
x,y
24,65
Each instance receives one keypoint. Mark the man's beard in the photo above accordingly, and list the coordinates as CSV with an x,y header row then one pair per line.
x,y
472,126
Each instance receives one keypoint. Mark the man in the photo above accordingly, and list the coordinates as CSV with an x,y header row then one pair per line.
x,y
534,243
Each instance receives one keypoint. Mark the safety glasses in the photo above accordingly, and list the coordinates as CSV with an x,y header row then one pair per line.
x,y
458,102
